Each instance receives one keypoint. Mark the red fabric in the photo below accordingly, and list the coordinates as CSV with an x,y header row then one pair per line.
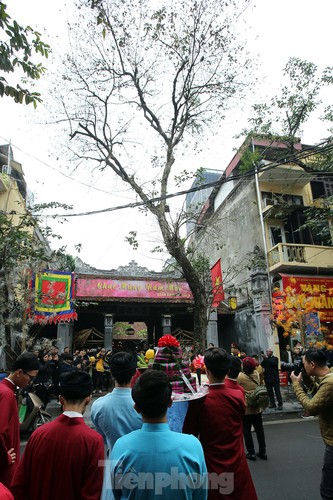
x,y
218,293
9,431
5,494
218,421
232,384
55,319
61,461
198,361
135,377
168,341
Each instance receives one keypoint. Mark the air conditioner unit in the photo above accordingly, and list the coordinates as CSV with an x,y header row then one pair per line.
x,y
6,169
267,202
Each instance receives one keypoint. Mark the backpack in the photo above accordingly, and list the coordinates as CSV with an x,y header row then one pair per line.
x,y
258,397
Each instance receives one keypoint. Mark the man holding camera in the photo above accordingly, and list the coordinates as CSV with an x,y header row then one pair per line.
x,y
321,404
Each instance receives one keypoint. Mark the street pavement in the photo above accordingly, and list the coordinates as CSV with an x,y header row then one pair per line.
x,y
295,452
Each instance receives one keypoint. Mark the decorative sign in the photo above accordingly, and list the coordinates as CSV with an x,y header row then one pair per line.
x,y
232,303
132,289
302,288
54,296
312,323
261,302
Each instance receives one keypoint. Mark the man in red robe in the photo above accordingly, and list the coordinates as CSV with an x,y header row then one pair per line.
x,y
218,421
63,459
24,369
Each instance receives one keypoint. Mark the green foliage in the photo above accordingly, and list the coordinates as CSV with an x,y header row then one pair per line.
x,y
158,249
132,240
249,160
16,242
183,177
284,114
65,261
16,54
24,250
318,217
256,259
200,263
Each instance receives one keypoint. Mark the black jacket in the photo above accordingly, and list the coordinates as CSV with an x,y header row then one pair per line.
x,y
271,367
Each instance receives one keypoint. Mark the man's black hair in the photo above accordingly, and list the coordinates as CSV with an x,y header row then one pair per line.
x,y
317,356
152,393
75,386
27,361
123,366
235,367
218,361
67,357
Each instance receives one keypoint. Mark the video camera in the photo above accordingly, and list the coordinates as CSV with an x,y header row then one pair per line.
x,y
296,367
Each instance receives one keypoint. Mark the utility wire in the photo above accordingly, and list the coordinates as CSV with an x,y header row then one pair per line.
x,y
319,148
219,182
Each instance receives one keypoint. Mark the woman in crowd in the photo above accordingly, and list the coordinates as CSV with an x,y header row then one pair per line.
x,y
249,380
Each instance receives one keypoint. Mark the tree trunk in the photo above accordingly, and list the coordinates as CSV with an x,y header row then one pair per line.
x,y
177,249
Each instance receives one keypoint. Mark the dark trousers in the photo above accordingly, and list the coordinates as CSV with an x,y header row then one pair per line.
x,y
99,380
326,485
198,370
256,421
107,380
270,386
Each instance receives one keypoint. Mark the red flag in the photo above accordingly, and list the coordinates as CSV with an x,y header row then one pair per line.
x,y
218,293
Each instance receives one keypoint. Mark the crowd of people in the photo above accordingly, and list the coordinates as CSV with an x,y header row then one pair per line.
x,y
144,458
53,364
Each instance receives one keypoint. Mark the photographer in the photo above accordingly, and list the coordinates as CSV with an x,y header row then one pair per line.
x,y
321,404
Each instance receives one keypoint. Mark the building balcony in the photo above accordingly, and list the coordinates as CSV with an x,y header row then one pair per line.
x,y
291,175
293,258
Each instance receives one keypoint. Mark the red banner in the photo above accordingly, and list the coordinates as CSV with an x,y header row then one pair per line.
x,y
303,288
133,289
218,293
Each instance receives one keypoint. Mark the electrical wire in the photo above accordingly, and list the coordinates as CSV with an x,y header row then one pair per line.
x,y
219,182
319,148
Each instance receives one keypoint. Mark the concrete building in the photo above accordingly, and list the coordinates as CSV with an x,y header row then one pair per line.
x,y
195,199
13,188
255,223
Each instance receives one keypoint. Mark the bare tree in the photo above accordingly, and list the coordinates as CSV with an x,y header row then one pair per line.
x,y
141,84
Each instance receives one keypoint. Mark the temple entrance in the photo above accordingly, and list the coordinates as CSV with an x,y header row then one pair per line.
x,y
132,307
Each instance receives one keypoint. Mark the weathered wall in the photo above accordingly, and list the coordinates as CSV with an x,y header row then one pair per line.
x,y
232,234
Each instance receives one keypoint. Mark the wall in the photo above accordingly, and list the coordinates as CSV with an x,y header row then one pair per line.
x,y
236,228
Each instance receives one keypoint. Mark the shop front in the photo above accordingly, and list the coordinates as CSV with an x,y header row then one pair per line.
x,y
303,309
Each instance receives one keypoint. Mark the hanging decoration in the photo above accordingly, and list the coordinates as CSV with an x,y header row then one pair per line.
x,y
53,297
216,274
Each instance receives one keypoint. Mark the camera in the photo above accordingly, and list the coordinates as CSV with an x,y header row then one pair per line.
x,y
296,367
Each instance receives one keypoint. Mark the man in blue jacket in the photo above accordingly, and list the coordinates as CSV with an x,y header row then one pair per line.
x,y
155,462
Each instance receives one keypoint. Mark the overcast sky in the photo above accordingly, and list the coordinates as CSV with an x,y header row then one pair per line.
x,y
300,28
